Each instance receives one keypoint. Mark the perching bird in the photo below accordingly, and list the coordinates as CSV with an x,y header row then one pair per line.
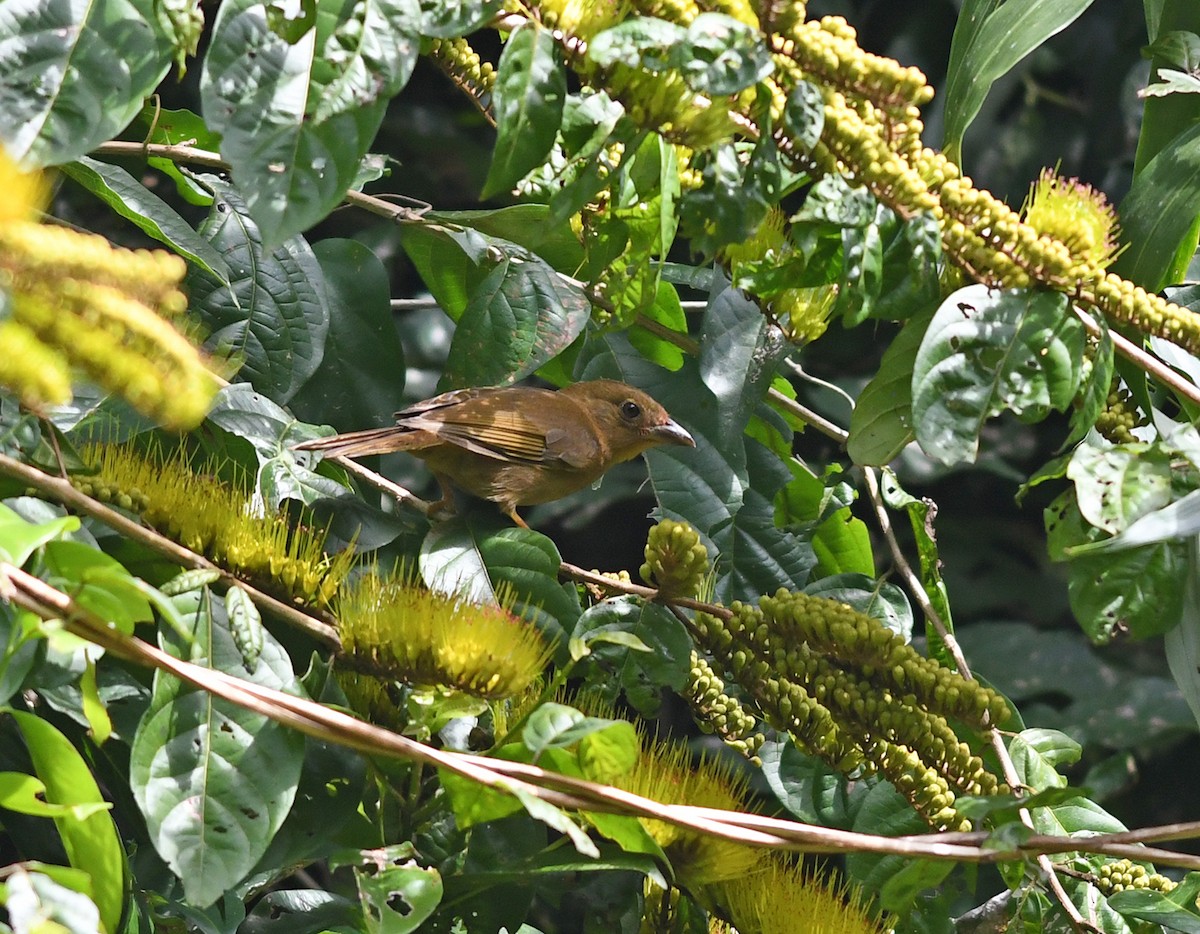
x,y
518,446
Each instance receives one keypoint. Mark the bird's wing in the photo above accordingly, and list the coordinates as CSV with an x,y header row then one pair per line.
x,y
501,434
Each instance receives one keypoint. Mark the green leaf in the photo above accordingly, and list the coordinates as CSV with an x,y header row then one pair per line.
x,y
520,315
1175,910
1182,644
91,843
298,112
193,748
557,726
397,896
1114,486
445,19
1157,213
881,424
360,380
483,562
37,902
274,313
27,795
75,74
994,38
130,199
639,42
19,539
805,785
987,352
527,101
721,55
96,582
897,879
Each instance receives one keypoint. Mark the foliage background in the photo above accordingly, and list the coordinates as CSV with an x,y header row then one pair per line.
x,y
1071,103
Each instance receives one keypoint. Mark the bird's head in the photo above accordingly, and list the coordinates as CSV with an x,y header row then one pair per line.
x,y
629,420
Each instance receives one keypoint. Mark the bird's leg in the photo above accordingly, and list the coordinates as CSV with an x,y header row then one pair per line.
x,y
446,503
511,512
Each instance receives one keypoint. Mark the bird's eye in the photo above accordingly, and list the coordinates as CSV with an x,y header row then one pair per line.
x,y
630,409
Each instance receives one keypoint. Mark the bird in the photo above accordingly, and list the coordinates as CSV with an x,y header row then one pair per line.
x,y
518,445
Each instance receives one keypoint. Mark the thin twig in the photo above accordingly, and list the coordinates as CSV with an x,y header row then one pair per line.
x,y
917,589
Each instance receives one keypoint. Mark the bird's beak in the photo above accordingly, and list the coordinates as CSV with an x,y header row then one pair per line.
x,y
671,432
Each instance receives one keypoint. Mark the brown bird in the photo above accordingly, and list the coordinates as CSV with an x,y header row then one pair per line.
x,y
518,446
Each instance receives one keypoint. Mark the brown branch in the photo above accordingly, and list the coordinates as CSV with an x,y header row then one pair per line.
x,y
331,725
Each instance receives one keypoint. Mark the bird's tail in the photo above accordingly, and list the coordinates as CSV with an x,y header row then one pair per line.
x,y
363,443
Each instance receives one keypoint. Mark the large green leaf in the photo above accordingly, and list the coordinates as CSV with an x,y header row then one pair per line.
x,y
153,216
527,101
213,780
514,312
1158,212
360,381
73,73
986,352
994,38
298,102
274,313
91,842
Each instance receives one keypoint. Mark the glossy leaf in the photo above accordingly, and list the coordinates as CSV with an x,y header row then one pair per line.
x,y
74,73
527,101
988,352
398,898
995,37
192,747
298,102
91,842
1174,910
274,314
19,539
132,200
881,425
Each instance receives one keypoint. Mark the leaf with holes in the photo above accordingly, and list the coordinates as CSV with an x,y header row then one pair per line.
x,y
988,352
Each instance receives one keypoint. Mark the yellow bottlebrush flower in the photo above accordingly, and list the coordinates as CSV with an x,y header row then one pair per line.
x,y
783,898
217,520
1076,214
392,625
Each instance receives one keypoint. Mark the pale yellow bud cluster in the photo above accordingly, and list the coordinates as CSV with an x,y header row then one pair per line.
x,y
75,301
462,64
718,712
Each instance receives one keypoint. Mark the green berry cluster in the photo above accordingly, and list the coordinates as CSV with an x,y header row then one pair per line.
x,y
676,560
462,64
1120,416
852,692
1122,874
718,712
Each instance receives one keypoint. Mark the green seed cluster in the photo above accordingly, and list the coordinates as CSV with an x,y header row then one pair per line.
x,y
719,713
464,67
1120,416
1123,874
827,49
852,692
676,560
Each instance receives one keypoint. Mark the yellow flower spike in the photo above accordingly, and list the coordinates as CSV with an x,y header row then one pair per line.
x,y
805,312
25,193
787,898
38,374
394,626
216,519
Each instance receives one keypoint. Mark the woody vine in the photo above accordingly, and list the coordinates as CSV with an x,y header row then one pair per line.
x,y
738,154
